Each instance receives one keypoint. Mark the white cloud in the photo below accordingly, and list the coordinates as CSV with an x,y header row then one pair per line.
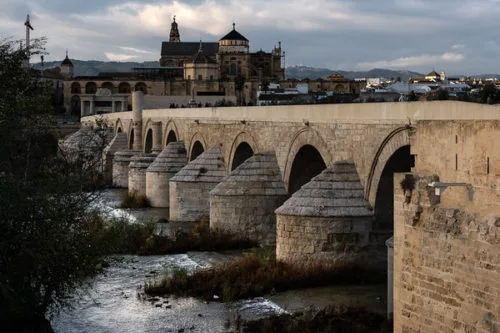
x,y
414,61
135,50
119,57
458,46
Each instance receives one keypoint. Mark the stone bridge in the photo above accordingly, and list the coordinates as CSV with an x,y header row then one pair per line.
x,y
319,182
304,140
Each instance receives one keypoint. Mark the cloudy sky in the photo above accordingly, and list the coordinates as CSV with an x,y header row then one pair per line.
x,y
459,37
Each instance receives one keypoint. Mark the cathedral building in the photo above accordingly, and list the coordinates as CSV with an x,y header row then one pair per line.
x,y
231,54
203,72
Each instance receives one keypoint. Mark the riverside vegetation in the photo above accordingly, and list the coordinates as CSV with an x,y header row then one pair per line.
x,y
257,274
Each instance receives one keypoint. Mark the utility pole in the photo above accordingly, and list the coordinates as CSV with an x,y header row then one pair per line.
x,y
28,26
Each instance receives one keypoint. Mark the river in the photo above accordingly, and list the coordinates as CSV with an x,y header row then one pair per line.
x,y
114,301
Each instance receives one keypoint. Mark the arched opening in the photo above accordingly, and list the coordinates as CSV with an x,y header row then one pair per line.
x,y
108,85
196,151
171,137
124,88
242,153
400,161
148,147
131,139
307,164
339,89
90,88
119,130
141,86
75,88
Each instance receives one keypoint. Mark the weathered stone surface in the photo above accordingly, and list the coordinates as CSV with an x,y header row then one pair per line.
x,y
119,142
170,161
336,192
121,162
244,202
137,172
190,187
446,260
327,220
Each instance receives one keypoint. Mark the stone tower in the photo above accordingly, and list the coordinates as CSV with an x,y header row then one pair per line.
x,y
67,69
233,55
174,33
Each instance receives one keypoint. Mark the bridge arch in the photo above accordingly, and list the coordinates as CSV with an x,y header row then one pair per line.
x,y
243,147
147,146
197,146
392,156
170,128
306,145
118,126
130,135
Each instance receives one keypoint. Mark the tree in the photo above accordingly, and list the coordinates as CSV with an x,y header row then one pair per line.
x,y
47,244
488,93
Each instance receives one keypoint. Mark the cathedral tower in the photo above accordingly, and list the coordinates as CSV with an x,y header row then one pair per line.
x,y
174,33
67,69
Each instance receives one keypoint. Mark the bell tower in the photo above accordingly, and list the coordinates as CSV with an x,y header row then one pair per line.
x,y
174,33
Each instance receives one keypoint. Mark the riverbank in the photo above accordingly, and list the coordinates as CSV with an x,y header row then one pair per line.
x,y
257,274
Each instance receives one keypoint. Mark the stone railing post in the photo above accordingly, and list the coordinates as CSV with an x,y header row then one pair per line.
x,y
137,104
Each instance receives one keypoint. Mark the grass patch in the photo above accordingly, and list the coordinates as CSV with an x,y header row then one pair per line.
x,y
258,274
198,238
122,237
331,319
134,200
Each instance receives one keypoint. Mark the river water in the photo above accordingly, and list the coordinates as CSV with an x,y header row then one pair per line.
x,y
114,301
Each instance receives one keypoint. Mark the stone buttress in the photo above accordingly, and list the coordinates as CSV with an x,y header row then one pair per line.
x,y
170,161
245,201
327,220
190,188
137,172
119,142
121,163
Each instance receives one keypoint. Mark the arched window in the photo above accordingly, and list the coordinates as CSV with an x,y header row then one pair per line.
x,y
141,86
90,88
75,88
233,69
124,88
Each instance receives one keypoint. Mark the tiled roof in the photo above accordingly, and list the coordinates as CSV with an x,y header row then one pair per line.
x,y
336,192
188,48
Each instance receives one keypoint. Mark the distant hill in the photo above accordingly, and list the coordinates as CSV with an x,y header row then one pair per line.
x,y
302,72
93,67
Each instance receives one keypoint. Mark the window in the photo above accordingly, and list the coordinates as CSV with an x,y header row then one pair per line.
x,y
233,69
189,77
200,77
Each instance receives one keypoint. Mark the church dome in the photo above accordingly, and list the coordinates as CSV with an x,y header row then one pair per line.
x,y
234,35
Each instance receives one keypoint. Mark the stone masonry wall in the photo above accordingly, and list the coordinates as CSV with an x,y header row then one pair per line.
x,y
247,216
317,239
446,263
189,201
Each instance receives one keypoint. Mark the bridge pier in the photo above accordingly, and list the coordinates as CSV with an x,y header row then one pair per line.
x,y
121,162
245,201
327,220
170,161
119,142
190,187
137,173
